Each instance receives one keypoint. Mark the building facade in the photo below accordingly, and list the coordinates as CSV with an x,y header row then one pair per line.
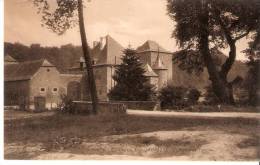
x,y
107,54
40,82
34,83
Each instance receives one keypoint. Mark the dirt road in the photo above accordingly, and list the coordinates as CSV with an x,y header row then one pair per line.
x,y
141,135
195,114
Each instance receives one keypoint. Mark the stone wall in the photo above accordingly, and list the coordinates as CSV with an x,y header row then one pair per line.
x,y
104,107
138,105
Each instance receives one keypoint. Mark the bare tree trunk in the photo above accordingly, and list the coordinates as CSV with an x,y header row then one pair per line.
x,y
90,75
219,85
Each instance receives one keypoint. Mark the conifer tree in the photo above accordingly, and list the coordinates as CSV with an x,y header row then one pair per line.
x,y
131,84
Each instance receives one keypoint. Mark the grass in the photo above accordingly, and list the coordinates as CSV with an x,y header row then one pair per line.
x,y
223,108
84,134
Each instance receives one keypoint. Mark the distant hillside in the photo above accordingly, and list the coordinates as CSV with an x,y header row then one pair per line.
x,y
182,78
63,57
67,56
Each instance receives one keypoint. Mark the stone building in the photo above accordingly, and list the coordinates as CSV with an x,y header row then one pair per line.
x,y
38,84
107,54
159,59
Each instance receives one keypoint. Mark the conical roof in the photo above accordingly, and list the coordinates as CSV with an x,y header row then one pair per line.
x,y
158,65
149,71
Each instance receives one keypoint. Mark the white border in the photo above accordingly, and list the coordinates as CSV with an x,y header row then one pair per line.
x,y
12,162
2,80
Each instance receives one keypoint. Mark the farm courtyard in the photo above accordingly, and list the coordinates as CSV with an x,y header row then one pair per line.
x,y
138,135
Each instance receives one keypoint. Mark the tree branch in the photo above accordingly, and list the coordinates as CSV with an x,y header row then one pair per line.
x,y
243,35
227,33
225,68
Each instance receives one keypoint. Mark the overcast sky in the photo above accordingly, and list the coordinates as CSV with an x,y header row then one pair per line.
x,y
127,21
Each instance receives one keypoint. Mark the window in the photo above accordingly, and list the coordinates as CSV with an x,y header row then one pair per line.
x,y
55,90
42,89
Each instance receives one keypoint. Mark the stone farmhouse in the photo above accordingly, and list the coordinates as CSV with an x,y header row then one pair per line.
x,y
35,83
107,54
39,83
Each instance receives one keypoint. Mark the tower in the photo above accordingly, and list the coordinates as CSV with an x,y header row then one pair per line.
x,y
148,53
151,75
161,71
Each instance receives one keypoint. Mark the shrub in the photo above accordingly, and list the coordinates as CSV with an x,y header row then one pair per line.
x,y
193,96
172,97
210,97
66,105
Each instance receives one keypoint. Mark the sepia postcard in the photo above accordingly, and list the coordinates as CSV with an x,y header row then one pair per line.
x,y
152,80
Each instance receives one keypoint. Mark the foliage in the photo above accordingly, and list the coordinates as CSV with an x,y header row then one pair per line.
x,y
171,96
210,96
63,57
193,95
252,82
66,105
62,18
131,84
192,62
213,23
238,17
59,18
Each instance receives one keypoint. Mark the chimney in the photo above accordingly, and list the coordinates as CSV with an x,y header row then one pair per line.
x,y
95,43
102,42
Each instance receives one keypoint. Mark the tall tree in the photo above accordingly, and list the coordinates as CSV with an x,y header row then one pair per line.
x,y
67,14
252,81
131,85
213,23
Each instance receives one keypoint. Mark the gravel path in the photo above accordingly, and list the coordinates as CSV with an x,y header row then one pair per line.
x,y
196,114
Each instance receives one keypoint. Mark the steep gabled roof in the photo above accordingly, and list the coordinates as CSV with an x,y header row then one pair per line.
x,y
114,49
23,70
151,46
158,65
149,71
108,52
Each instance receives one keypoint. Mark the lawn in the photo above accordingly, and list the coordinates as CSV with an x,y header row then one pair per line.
x,y
59,136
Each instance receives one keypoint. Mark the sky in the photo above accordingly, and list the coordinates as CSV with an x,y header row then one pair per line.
x,y
127,21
